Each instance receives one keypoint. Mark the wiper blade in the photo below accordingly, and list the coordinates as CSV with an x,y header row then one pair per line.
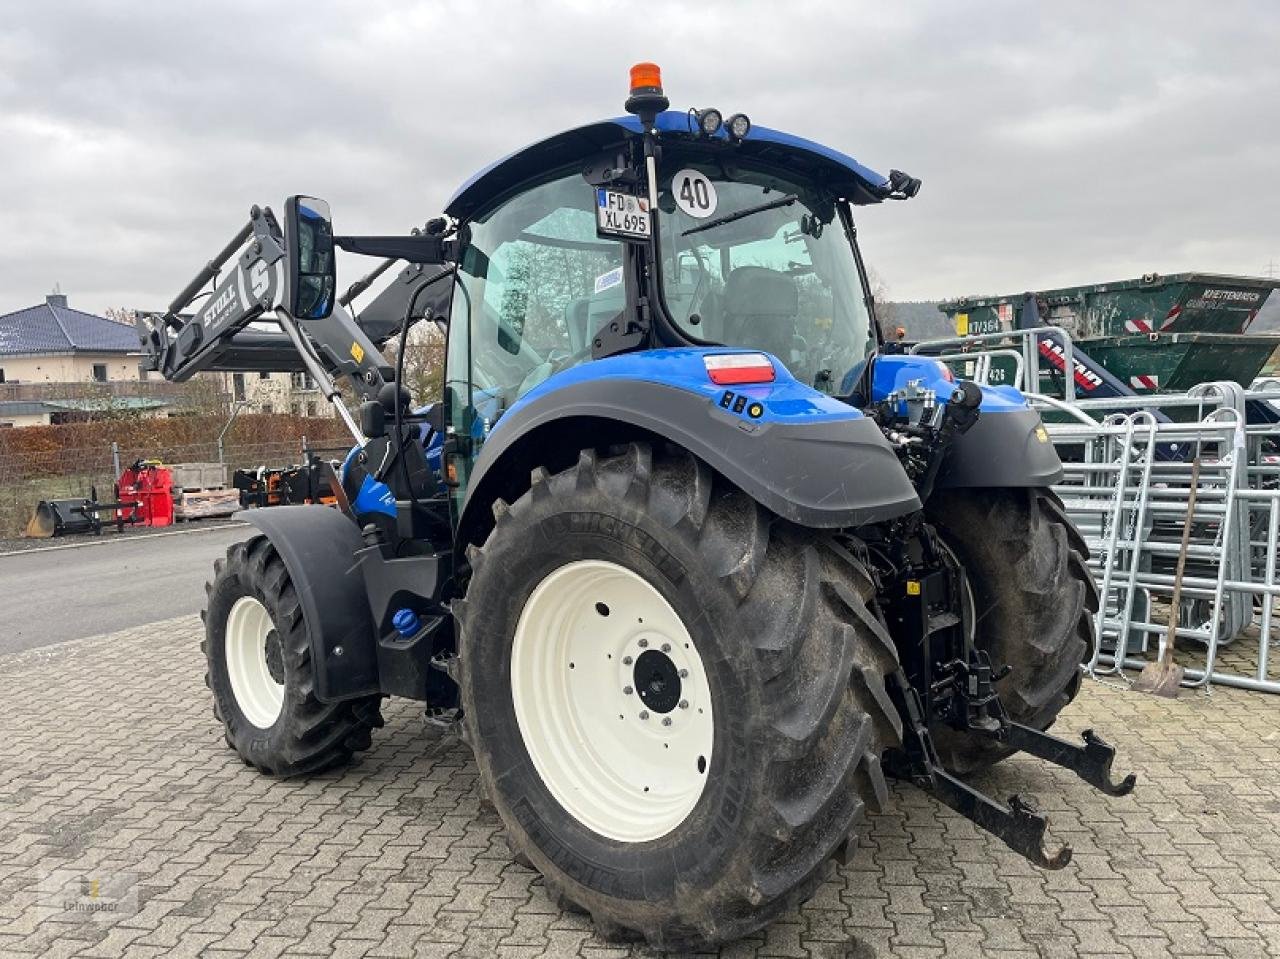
x,y
740,214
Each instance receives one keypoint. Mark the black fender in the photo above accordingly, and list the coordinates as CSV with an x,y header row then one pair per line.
x,y
1001,449
828,473
318,545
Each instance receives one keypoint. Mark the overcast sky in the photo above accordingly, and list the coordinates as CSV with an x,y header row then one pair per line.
x,y
1058,143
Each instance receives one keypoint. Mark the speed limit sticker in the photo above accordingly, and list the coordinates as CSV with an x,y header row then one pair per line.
x,y
694,193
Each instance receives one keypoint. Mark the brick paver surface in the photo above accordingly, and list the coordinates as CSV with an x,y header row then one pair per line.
x,y
111,765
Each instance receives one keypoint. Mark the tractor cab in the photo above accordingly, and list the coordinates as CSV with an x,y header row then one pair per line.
x,y
747,255
664,229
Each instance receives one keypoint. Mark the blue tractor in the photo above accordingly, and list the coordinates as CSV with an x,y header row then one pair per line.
x,y
692,562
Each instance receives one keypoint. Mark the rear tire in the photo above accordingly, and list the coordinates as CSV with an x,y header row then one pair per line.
x,y
1035,600
261,674
794,682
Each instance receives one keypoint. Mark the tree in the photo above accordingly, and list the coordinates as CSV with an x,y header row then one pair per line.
x,y
886,314
423,363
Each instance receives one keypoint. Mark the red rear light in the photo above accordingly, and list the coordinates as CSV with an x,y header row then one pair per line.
x,y
728,369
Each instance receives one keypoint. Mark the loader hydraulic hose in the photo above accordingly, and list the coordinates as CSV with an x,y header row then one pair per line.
x,y
211,269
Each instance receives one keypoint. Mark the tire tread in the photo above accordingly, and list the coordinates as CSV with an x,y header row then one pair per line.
x,y
818,658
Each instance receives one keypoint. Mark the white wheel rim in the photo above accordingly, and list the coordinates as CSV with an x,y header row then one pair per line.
x,y
627,765
257,693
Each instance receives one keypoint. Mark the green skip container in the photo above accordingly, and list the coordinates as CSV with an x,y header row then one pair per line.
x,y
1156,333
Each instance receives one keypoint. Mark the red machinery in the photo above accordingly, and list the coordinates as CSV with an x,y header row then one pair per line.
x,y
150,485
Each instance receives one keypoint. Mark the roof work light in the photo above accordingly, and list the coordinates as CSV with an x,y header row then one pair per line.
x,y
710,121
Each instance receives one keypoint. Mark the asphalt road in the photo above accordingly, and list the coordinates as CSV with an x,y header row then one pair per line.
x,y
103,586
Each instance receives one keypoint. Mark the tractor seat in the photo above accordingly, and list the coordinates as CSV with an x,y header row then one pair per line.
x,y
760,307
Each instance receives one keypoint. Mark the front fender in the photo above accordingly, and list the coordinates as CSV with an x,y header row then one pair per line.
x,y
318,545
809,458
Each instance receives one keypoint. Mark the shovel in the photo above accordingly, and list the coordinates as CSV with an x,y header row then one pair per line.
x,y
1164,676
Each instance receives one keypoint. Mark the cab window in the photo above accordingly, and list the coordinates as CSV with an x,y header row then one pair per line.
x,y
536,284
763,263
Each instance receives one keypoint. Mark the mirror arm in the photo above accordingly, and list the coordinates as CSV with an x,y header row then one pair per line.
x,y
419,248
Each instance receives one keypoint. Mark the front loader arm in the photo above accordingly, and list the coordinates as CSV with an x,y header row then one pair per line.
x,y
218,335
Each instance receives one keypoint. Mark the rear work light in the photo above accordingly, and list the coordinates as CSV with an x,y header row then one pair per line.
x,y
727,369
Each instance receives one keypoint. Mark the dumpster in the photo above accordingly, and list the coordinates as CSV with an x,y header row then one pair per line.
x,y
1181,360
1155,333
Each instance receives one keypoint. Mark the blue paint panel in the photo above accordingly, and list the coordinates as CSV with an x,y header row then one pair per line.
x,y
374,497
785,400
895,371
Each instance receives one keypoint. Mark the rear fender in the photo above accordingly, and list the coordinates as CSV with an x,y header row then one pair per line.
x,y
318,545
1008,448
806,456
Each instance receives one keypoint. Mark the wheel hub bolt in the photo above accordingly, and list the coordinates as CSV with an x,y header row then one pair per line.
x,y
626,660
666,647
666,720
684,674
644,714
627,690
684,704
643,643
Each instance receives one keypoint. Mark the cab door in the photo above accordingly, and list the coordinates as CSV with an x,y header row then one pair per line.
x,y
534,285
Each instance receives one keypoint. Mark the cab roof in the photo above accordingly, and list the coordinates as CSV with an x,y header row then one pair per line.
x,y
843,174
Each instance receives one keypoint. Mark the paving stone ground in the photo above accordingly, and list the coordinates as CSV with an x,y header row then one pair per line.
x,y
113,771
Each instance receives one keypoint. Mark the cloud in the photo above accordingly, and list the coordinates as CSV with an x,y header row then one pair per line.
x,y
1058,144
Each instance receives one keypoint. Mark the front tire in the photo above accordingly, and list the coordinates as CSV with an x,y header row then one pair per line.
x,y
706,828
1034,598
261,673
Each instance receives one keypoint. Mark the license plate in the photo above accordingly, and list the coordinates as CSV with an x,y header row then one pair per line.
x,y
622,215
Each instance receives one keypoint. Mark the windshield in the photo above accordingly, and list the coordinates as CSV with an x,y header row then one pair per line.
x,y
752,259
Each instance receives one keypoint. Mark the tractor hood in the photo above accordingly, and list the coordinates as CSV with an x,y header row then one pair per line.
x,y
844,175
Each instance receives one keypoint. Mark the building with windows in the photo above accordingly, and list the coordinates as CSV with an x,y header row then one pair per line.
x,y
293,393
59,364
52,343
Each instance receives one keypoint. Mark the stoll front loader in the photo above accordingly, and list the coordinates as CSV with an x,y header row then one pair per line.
x,y
693,563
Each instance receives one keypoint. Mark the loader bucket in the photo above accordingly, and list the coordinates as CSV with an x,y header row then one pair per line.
x,y
59,517
43,523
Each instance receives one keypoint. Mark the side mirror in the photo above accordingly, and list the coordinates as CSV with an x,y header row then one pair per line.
x,y
902,185
308,231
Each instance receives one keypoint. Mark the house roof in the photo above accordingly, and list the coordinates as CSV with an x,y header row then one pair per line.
x,y
88,405
53,327
23,408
